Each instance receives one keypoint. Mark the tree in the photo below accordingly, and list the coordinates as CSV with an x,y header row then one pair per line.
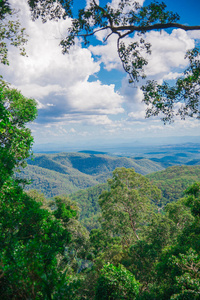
x,y
32,239
162,232
127,207
15,139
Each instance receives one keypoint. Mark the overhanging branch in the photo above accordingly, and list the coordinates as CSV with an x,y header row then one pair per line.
x,y
158,26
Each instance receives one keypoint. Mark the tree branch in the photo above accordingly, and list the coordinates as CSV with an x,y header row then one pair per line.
x,y
158,26
93,32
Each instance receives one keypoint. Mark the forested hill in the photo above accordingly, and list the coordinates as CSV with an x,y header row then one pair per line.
x,y
173,182
65,173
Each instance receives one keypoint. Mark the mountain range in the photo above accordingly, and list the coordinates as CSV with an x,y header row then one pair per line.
x,y
66,173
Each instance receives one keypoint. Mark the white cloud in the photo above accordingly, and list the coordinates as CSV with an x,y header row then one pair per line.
x,y
172,76
98,120
168,51
59,82
94,97
107,52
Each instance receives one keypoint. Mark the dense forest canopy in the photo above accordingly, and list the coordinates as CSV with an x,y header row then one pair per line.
x,y
139,251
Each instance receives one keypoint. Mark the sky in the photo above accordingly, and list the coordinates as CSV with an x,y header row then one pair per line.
x,y
84,98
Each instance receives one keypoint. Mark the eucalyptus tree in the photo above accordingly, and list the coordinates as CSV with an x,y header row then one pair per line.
x,y
128,206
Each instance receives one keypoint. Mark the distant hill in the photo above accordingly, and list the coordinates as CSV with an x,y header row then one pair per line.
x,y
65,173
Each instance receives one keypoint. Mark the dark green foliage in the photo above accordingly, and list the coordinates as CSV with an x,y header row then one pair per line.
x,y
4,8
15,138
116,283
177,270
188,283
193,195
88,203
31,240
63,211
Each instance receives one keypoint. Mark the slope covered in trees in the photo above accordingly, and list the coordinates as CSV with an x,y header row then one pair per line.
x,y
65,173
172,182
88,202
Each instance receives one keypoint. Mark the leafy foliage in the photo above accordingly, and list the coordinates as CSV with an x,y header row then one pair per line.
x,y
31,240
15,138
10,31
162,98
50,9
116,283
88,203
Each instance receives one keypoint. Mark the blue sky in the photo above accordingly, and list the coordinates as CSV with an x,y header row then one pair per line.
x,y
84,98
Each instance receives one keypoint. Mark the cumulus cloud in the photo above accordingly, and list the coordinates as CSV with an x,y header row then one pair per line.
x,y
107,53
59,82
95,97
168,51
